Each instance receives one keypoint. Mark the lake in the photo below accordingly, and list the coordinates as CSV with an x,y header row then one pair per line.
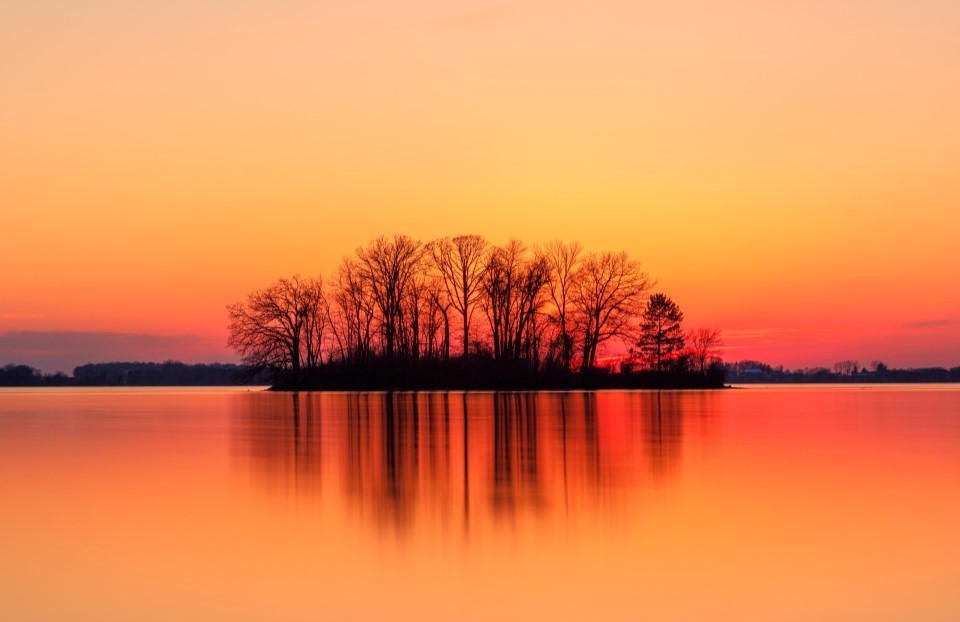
x,y
759,503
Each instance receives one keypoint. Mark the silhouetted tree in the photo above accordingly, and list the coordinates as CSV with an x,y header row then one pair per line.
x,y
878,366
436,320
845,368
461,262
608,293
563,260
12,375
661,334
352,312
513,287
704,345
389,266
280,327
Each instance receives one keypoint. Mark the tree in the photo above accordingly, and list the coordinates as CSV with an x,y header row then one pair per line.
x,y
351,312
563,260
845,368
704,344
607,294
513,285
388,266
460,262
436,325
280,328
661,334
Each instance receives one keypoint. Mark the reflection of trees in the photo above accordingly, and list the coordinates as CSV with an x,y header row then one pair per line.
x,y
665,431
457,460
515,463
282,441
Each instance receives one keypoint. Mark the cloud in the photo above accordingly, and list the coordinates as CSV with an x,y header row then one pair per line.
x,y
64,350
929,324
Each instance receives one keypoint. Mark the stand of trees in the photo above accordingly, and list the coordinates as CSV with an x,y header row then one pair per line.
x,y
13,375
460,311
169,373
846,371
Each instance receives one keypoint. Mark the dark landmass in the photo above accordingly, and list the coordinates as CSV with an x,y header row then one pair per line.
x,y
134,374
469,375
747,372
478,374
457,374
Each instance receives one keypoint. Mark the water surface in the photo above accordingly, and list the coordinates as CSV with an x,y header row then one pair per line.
x,y
808,503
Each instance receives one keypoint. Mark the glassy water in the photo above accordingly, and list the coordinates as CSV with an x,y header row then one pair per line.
x,y
811,503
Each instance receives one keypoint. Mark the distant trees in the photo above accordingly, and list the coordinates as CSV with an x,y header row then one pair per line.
x,y
169,373
845,367
280,328
756,371
398,302
20,376
661,334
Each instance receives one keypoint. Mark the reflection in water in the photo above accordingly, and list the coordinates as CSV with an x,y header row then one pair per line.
x,y
451,458
810,503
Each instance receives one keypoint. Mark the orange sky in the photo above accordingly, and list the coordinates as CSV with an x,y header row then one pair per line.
x,y
788,171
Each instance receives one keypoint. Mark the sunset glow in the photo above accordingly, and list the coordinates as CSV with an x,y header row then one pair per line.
x,y
786,171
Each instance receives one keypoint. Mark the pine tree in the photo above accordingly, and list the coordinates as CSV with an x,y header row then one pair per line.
x,y
661,335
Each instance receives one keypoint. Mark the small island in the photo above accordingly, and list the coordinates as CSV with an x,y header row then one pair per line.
x,y
462,313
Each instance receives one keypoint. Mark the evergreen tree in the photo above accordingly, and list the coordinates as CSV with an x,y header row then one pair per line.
x,y
661,336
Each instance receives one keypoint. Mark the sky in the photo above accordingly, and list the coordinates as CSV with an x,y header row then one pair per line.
x,y
787,171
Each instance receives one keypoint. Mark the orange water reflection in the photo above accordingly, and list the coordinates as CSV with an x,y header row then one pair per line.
x,y
763,504
455,460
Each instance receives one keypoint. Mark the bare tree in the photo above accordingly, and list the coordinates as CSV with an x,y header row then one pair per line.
x,y
281,327
704,345
563,260
389,265
352,312
845,368
608,294
461,262
316,323
441,306
420,322
513,288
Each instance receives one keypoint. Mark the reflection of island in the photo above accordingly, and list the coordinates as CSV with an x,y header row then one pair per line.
x,y
454,458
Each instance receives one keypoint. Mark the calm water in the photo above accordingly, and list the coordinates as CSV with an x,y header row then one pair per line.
x,y
812,503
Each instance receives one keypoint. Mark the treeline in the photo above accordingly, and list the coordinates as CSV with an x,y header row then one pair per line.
x,y
847,371
169,373
461,312
13,375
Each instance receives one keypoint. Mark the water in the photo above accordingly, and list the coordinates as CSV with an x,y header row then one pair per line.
x,y
811,503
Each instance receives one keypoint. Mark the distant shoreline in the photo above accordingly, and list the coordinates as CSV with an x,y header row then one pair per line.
x,y
453,375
